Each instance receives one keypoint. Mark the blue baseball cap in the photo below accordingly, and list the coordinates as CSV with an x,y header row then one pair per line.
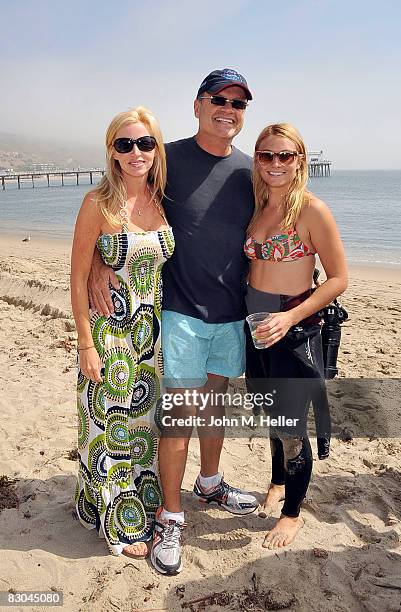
x,y
220,79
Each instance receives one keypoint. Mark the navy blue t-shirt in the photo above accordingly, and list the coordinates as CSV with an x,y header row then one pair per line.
x,y
209,204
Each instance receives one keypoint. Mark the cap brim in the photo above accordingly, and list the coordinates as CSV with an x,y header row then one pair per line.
x,y
218,88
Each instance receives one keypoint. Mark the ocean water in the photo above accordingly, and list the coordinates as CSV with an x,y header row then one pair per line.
x,y
367,208
365,204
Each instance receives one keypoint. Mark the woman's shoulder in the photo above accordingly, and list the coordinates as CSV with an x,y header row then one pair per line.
x,y
90,198
90,204
314,207
89,210
316,215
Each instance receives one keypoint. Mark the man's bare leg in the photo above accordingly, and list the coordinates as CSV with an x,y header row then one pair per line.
x,y
210,486
172,461
173,452
211,441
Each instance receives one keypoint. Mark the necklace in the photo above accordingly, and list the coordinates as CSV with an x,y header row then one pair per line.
x,y
124,214
152,199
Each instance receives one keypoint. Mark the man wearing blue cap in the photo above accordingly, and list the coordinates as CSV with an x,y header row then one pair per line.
x,y
209,203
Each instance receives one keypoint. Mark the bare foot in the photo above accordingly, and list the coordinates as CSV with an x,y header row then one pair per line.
x,y
274,495
137,550
284,532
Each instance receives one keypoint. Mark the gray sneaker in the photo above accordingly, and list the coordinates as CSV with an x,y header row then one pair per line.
x,y
166,548
231,499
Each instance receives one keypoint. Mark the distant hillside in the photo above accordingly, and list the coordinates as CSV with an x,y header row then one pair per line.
x,y
20,151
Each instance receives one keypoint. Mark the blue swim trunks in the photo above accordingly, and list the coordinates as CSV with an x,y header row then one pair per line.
x,y
192,349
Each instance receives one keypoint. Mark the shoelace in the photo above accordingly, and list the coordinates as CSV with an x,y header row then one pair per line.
x,y
224,491
172,534
232,492
228,491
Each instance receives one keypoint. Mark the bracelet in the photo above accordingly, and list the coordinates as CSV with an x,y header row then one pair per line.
x,y
86,348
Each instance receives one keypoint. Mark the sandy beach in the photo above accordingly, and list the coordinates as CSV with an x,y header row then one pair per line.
x,y
347,556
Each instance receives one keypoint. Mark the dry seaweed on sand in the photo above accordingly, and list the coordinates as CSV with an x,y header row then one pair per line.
x,y
8,496
253,599
72,454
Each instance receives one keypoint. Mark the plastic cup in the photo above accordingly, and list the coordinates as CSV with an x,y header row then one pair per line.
x,y
254,320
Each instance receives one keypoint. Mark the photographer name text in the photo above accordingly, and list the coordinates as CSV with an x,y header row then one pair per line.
x,y
241,421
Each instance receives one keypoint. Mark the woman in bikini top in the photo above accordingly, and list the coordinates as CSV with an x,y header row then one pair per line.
x,y
289,228
281,247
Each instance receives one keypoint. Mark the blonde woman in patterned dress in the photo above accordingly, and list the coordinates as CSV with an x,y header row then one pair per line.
x,y
120,359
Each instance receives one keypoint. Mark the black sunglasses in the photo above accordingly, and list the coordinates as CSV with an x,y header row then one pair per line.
x,y
126,145
284,157
220,101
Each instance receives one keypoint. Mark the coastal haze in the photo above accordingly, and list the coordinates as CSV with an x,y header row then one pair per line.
x,y
331,68
28,153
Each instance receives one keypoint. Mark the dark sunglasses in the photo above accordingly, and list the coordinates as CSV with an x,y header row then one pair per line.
x,y
220,101
126,145
284,157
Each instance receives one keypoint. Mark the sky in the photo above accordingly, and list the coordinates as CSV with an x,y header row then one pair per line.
x,y
330,67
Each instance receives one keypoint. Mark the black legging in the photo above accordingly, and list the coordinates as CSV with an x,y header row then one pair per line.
x,y
293,370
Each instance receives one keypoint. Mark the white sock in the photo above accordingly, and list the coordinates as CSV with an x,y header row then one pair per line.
x,y
165,515
209,482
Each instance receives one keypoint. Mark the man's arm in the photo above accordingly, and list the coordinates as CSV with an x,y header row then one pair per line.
x,y
100,277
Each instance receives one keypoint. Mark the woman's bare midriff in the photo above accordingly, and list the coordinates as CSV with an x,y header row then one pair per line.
x,y
287,278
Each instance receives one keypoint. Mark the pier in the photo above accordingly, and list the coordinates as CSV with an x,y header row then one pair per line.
x,y
317,166
23,177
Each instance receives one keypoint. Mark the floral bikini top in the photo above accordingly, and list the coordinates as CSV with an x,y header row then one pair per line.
x,y
280,247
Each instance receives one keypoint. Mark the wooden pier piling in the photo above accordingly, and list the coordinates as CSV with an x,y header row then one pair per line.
x,y
18,178
318,166
317,169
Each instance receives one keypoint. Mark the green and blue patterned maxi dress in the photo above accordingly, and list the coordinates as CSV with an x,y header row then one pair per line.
x,y
117,490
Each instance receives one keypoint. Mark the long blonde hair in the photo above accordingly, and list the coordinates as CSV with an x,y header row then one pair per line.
x,y
297,194
111,192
